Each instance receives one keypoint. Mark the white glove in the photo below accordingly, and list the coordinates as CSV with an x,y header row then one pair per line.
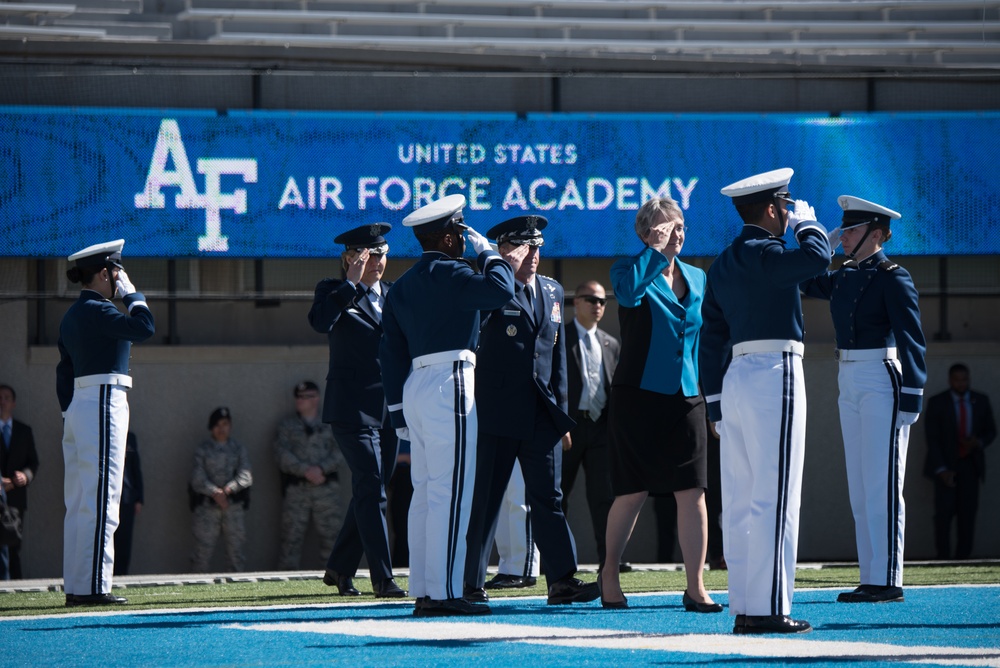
x,y
480,243
124,286
803,213
906,419
833,236
403,433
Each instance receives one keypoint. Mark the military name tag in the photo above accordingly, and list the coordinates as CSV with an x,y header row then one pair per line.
x,y
511,330
511,312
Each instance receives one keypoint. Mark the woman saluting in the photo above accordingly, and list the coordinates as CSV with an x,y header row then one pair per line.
x,y
95,340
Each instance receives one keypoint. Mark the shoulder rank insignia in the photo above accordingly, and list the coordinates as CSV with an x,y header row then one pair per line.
x,y
888,265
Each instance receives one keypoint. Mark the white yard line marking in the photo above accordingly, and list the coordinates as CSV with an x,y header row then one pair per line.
x,y
718,644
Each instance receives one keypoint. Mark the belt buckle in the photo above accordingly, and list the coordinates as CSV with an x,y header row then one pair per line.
x,y
836,354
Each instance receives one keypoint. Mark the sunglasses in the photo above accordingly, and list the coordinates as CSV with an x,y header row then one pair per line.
x,y
591,299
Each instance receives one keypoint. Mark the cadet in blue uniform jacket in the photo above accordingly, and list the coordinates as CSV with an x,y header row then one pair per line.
x,y
880,347
428,357
656,419
752,337
521,390
349,312
95,342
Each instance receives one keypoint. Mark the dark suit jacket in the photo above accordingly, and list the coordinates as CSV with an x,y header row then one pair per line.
x,y
21,456
354,396
521,364
610,350
941,429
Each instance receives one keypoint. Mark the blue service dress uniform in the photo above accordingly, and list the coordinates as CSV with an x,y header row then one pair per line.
x,y
880,347
95,343
431,322
521,391
750,362
354,406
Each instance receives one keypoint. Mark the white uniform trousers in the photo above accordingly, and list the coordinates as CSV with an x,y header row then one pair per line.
x,y
875,451
440,412
762,453
515,544
94,432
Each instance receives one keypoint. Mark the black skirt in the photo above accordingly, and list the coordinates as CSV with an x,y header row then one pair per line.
x,y
658,441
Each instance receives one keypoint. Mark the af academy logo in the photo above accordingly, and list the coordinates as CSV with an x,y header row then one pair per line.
x,y
169,147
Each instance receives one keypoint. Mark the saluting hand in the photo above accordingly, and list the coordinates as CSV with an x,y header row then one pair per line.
x,y
356,266
515,256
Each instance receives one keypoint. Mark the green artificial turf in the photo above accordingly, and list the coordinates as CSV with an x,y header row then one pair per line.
x,y
270,591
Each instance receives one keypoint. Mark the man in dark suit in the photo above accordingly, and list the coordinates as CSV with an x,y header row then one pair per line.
x,y
18,465
521,394
349,312
959,425
591,365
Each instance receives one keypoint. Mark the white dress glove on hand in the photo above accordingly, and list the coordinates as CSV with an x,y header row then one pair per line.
x,y
403,433
803,213
124,285
906,419
833,236
479,243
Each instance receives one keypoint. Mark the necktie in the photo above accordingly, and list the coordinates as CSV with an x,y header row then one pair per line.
x,y
963,429
6,435
376,301
596,395
527,298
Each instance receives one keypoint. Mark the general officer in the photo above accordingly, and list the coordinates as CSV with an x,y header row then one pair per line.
x,y
95,342
523,416
880,347
310,464
349,312
752,338
431,324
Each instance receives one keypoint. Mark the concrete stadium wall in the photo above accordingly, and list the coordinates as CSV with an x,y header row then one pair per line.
x,y
176,387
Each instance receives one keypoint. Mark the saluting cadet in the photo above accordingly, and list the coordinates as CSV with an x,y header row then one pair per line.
x,y
751,373
431,322
880,347
349,312
521,390
95,341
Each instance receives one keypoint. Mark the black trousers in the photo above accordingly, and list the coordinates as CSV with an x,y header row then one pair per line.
x,y
961,502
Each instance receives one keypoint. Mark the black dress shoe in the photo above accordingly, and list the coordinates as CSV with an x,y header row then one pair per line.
x,y
571,590
624,567
475,594
506,581
872,594
343,583
73,601
771,624
388,589
740,624
611,605
451,607
692,605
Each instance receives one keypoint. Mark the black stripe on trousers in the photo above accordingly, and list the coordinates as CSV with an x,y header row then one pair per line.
x,y
457,478
103,488
778,583
892,484
529,542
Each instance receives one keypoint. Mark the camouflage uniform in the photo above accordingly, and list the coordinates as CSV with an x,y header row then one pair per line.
x,y
219,466
299,446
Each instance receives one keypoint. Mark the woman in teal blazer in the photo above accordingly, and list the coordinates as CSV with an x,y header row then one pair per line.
x,y
657,415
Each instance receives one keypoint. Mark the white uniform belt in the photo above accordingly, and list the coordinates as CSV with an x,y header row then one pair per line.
x,y
768,346
446,357
104,379
867,355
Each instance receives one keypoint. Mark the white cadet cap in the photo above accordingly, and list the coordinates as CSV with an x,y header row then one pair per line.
x,y
859,211
760,187
99,255
442,214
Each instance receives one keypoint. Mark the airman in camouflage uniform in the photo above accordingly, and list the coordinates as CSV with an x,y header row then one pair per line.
x,y
310,461
220,485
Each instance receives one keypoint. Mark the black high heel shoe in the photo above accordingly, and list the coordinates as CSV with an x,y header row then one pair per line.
x,y
614,605
692,605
